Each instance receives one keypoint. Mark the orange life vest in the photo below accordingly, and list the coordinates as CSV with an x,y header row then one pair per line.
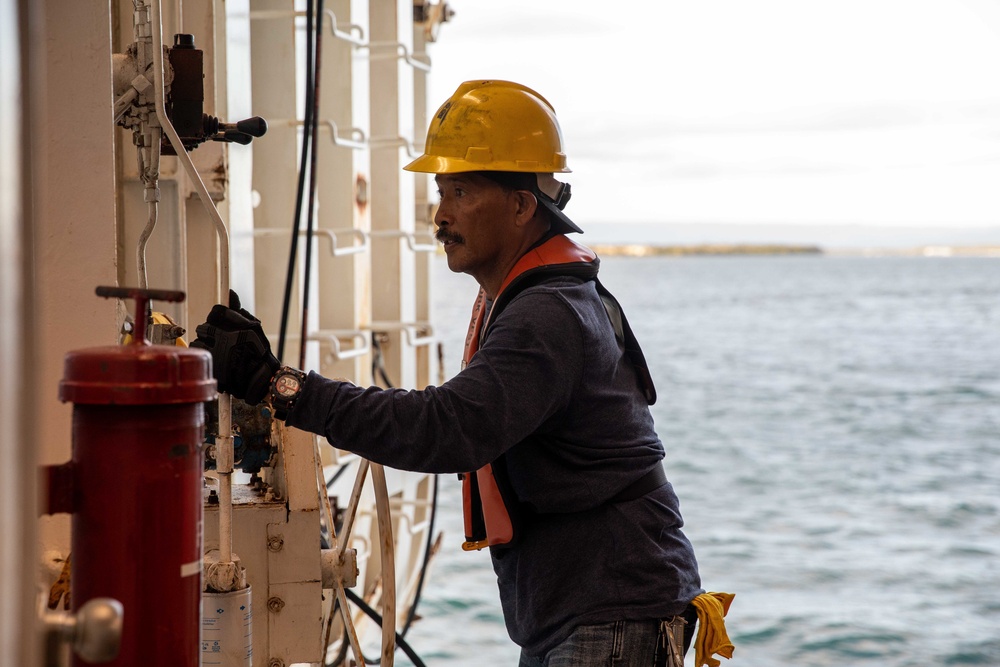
x,y
489,505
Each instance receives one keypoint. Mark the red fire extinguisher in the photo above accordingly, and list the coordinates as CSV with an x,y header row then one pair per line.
x,y
134,487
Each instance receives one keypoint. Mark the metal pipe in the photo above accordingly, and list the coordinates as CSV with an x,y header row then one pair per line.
x,y
402,51
224,442
411,527
410,237
352,505
352,633
395,142
150,176
410,331
329,234
338,32
185,159
356,144
361,347
140,250
336,29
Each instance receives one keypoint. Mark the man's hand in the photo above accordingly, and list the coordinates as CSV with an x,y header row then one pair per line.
x,y
241,356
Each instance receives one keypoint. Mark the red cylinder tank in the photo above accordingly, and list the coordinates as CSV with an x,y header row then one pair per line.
x,y
138,428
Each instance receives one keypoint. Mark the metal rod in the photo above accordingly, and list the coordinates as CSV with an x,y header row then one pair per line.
x,y
140,249
185,159
357,144
409,237
150,176
329,234
417,334
362,342
388,552
395,142
352,633
352,505
224,442
402,52
336,29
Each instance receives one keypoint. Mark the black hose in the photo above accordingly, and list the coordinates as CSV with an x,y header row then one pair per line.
x,y
335,476
374,615
303,163
307,261
310,127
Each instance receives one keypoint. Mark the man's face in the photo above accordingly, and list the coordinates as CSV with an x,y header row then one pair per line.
x,y
476,224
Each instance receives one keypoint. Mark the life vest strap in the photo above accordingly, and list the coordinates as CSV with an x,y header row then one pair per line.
x,y
651,481
491,509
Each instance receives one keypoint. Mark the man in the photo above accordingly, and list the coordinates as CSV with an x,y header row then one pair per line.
x,y
548,420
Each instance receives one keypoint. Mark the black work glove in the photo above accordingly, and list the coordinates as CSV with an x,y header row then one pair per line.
x,y
241,355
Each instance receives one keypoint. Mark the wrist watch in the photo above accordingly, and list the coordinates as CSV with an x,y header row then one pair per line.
x,y
286,385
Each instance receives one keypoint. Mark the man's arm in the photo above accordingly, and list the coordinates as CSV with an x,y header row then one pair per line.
x,y
522,376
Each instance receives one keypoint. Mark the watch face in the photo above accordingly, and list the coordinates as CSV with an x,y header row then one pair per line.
x,y
287,385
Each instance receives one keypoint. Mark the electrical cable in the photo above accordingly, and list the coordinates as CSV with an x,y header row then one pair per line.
x,y
309,154
307,260
306,146
335,476
374,615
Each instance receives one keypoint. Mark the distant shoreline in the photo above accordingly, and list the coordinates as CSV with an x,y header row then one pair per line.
x,y
639,250
729,249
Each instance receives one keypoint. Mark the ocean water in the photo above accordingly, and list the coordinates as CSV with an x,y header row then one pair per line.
x,y
832,427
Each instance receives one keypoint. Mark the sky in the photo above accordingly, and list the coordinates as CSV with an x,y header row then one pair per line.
x,y
763,112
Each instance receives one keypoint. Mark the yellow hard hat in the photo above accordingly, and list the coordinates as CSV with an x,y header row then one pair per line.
x,y
500,129
493,126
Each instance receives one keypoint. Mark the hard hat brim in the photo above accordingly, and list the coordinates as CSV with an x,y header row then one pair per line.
x,y
432,164
436,164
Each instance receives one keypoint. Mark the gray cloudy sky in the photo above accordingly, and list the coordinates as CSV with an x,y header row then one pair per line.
x,y
881,112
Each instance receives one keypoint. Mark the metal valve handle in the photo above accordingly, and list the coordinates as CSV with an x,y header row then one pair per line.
x,y
142,298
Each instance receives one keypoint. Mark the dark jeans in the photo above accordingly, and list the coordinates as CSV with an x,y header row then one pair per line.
x,y
618,644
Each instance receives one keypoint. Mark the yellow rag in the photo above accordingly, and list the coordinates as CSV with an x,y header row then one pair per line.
x,y
712,636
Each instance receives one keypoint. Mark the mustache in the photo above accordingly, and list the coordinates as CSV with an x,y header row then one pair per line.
x,y
443,237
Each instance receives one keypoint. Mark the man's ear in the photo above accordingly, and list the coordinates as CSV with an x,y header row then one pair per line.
x,y
526,204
